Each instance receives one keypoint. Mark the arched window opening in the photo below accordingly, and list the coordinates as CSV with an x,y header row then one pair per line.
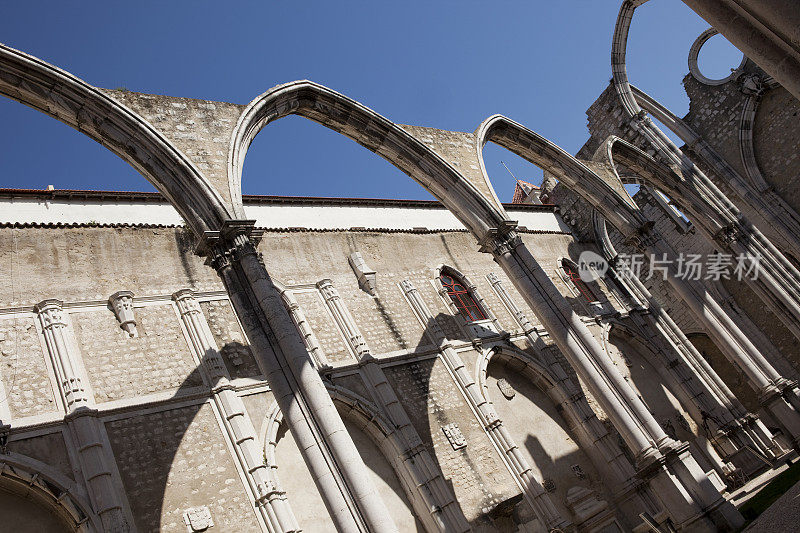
x,y
462,298
39,151
334,166
517,180
571,271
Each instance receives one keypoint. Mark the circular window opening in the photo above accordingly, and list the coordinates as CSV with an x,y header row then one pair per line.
x,y
718,58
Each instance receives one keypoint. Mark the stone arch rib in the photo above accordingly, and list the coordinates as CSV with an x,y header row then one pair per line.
x,y
86,108
371,130
41,483
596,182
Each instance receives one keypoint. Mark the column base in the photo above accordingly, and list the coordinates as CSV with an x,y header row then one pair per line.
x,y
686,493
784,406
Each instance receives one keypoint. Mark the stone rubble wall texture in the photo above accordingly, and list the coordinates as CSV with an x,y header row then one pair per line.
x,y
176,459
120,367
175,454
432,401
201,129
23,369
230,339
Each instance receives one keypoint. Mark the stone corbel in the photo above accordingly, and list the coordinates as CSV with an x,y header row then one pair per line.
x,y
121,303
367,281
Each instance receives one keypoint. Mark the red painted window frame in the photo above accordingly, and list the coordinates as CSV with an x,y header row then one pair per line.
x,y
462,298
572,273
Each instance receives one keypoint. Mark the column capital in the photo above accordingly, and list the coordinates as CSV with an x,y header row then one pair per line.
x,y
186,301
234,239
644,237
502,239
51,313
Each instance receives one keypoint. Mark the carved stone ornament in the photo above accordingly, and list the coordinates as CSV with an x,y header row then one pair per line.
x,y
506,388
578,471
198,518
367,280
548,484
122,304
454,435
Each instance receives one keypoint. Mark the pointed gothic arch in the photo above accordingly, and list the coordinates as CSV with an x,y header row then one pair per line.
x,y
49,490
91,111
374,132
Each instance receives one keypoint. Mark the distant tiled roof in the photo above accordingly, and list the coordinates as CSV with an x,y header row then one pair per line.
x,y
521,191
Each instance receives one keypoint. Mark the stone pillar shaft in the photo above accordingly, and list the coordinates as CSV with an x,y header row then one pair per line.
x,y
671,471
309,339
631,418
85,428
776,394
51,318
440,501
269,500
327,448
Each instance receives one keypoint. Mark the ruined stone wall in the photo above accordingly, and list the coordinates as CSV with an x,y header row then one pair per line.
x,y
171,450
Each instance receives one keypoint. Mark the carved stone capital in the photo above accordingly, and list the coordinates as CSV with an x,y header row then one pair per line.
x,y
235,239
121,302
644,237
367,278
187,303
51,313
751,84
729,233
501,240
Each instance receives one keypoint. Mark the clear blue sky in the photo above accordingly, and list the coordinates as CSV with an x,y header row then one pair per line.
x,y
440,64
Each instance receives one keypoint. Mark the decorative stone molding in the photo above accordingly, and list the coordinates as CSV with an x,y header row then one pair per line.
x,y
367,280
501,240
121,303
88,432
309,338
200,335
506,388
239,429
344,319
431,490
454,436
51,318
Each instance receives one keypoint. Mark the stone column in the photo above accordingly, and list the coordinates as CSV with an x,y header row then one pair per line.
x,y
309,339
535,495
83,423
329,452
435,501
701,391
670,469
270,501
